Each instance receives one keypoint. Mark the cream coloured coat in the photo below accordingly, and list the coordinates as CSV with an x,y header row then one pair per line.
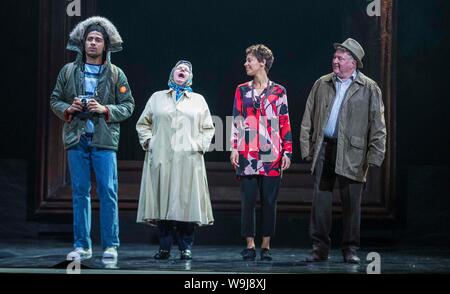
x,y
174,136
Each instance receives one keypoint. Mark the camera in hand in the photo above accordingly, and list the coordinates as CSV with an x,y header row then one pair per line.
x,y
85,114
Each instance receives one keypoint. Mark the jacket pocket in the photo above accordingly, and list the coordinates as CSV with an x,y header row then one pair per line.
x,y
70,134
356,153
357,142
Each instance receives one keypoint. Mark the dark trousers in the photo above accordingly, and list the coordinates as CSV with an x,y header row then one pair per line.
x,y
268,190
321,218
183,230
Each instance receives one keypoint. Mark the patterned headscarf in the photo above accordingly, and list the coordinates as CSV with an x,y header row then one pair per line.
x,y
180,90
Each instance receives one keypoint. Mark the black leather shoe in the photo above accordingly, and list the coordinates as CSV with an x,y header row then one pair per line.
x,y
351,257
162,254
316,256
248,254
265,254
186,254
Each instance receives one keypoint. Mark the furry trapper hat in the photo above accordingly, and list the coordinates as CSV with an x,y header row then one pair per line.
x,y
76,38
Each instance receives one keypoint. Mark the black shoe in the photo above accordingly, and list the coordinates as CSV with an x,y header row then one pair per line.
x,y
248,254
316,256
265,254
350,256
162,254
186,254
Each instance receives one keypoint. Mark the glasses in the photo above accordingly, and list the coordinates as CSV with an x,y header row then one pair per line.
x,y
185,69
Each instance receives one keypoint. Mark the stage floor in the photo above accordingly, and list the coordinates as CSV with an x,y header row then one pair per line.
x,y
49,257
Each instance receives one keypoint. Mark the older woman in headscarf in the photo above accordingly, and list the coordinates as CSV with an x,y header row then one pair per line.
x,y
175,130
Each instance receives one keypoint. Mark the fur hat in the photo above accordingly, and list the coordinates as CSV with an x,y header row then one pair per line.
x,y
78,34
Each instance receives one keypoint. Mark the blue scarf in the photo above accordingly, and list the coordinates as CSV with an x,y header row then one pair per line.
x,y
179,90
186,87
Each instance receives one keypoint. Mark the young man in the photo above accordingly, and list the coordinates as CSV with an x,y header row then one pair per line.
x,y
92,96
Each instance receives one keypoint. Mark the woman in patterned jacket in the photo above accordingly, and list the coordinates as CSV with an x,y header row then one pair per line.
x,y
261,143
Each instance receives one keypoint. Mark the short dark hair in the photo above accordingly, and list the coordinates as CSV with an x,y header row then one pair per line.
x,y
97,28
262,52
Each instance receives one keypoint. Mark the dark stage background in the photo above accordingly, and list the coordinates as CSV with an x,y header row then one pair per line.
x,y
213,35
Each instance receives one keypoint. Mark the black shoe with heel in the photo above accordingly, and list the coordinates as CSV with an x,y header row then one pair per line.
x,y
265,254
248,254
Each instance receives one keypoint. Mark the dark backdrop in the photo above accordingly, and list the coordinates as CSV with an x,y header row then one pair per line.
x,y
213,36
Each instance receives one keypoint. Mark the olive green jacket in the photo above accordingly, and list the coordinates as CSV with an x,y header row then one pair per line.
x,y
113,92
361,129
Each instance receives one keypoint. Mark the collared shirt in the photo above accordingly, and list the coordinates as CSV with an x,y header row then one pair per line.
x,y
341,90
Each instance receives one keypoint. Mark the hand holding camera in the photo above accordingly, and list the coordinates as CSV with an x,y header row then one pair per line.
x,y
94,107
76,106
85,106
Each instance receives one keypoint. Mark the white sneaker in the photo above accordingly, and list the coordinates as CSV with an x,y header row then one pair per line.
x,y
79,253
110,253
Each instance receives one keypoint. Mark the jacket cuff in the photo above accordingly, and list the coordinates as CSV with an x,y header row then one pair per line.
x,y
374,160
145,144
67,116
107,113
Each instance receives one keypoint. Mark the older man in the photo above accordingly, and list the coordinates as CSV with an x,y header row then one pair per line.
x,y
343,133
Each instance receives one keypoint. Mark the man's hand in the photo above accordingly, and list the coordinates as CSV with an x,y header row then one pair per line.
x,y
94,106
285,163
234,158
370,170
75,107
308,158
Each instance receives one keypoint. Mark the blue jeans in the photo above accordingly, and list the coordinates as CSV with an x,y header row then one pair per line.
x,y
104,163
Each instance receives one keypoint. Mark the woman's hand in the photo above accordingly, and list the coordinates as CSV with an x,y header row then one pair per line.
x,y
234,158
285,163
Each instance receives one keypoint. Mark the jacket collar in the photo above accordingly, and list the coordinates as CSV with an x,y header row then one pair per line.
x,y
358,79
188,94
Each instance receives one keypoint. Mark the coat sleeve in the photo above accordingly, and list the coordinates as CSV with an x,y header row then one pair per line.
x,y
307,126
144,125
377,129
207,128
57,103
237,120
124,100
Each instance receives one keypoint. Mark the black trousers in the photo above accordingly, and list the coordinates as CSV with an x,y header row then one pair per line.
x,y
321,213
268,190
184,232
